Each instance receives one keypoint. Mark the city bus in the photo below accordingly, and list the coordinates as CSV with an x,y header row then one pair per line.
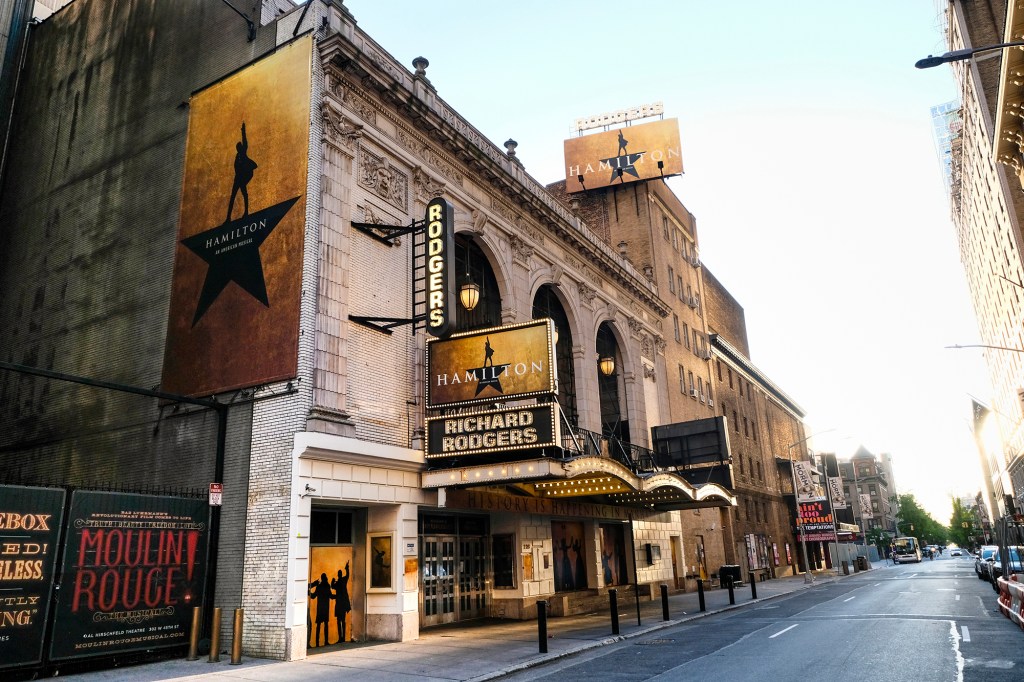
x,y
906,549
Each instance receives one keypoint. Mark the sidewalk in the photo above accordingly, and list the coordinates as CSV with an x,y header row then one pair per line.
x,y
469,652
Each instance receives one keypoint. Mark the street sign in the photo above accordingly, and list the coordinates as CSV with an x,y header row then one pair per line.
x,y
216,494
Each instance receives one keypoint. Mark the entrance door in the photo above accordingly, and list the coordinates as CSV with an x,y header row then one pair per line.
x,y
472,578
438,591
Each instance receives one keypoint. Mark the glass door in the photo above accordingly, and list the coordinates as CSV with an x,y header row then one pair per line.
x,y
472,578
437,593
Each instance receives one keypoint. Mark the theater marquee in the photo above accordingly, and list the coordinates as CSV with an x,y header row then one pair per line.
x,y
490,365
623,155
493,431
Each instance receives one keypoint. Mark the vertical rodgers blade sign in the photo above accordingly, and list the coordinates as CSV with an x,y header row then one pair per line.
x,y
237,282
440,267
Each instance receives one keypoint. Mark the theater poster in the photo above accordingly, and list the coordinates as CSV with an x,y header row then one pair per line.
x,y
329,616
237,281
134,568
30,522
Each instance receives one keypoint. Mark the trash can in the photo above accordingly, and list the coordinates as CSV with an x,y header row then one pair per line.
x,y
862,563
730,573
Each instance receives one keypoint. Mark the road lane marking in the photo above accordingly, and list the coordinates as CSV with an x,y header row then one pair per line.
x,y
967,633
958,597
957,654
850,599
782,631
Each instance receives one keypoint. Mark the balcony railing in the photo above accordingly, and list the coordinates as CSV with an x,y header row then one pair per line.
x,y
579,442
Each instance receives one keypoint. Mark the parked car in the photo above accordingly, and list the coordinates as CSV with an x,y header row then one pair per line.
x,y
981,561
1013,563
955,552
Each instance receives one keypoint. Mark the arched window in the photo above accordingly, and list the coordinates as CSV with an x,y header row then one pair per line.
x,y
546,304
471,265
614,417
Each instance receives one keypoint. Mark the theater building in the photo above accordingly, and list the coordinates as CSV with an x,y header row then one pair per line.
x,y
447,390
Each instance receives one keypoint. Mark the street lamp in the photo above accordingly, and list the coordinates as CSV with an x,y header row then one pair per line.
x,y
960,55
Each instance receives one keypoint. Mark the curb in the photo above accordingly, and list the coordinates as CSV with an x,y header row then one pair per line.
x,y
541,659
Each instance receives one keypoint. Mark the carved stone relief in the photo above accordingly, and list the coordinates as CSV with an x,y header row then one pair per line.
x,y
426,188
385,180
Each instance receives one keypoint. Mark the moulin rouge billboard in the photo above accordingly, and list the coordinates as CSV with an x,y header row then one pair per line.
x,y
134,567
30,523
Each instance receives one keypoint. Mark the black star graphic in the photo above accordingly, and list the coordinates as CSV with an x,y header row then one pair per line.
x,y
623,164
233,252
489,375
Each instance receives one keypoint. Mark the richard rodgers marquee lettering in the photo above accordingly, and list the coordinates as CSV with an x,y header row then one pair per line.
x,y
492,431
489,431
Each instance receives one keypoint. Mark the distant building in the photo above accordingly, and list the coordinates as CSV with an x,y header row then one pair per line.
x,y
867,479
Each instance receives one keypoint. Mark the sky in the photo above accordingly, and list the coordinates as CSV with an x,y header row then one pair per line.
x,y
810,165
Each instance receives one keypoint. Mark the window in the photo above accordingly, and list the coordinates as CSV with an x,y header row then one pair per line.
x,y
671,279
700,385
682,380
740,382
746,427
719,364
730,377
675,326
735,422
330,527
760,473
690,376
679,283
686,334
682,241
664,227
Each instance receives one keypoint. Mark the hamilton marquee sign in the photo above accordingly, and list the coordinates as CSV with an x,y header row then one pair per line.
x,y
641,152
491,365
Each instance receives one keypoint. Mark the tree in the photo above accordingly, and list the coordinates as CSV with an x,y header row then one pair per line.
x,y
879,538
961,524
915,521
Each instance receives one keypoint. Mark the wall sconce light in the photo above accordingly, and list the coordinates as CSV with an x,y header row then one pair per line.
x,y
579,178
607,366
469,295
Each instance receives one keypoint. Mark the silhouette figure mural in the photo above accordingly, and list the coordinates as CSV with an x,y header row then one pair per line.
x,y
570,566
244,169
321,592
342,605
340,624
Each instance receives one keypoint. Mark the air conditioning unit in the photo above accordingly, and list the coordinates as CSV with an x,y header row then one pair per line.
x,y
694,261
692,301
693,393
703,398
705,354
711,402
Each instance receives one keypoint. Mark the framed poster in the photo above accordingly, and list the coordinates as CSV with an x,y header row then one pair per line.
x,y
379,560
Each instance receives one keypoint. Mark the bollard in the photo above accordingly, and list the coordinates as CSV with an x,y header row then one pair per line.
x,y
664,602
700,594
542,625
193,638
732,592
613,598
236,637
753,586
215,636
